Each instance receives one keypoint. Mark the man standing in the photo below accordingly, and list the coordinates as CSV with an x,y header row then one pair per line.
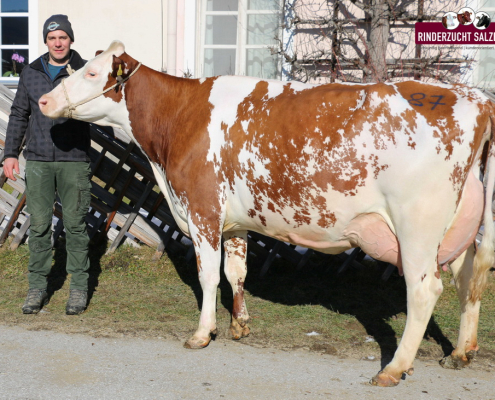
x,y
57,160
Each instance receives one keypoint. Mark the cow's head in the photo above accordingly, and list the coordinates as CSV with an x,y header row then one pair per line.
x,y
85,96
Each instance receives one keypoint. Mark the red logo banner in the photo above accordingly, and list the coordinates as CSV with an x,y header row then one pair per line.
x,y
435,33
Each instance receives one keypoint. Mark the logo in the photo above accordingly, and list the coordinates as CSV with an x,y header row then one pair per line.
x,y
52,26
482,20
449,20
464,17
464,27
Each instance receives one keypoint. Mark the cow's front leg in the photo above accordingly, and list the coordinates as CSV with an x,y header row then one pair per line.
x,y
208,257
235,245
467,344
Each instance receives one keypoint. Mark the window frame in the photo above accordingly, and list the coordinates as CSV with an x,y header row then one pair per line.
x,y
474,76
33,35
241,47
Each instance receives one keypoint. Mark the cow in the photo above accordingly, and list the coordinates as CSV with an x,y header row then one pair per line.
x,y
448,21
483,21
464,18
390,168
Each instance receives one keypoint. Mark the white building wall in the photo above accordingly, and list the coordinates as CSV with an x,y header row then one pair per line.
x,y
140,25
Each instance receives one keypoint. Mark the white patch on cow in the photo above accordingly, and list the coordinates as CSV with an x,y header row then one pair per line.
x,y
299,86
248,157
442,123
202,80
226,95
245,125
307,148
177,207
275,89
467,125
360,101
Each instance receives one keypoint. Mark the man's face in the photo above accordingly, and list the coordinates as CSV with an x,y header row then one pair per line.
x,y
58,43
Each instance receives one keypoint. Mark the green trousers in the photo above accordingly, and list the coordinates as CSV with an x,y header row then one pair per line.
x,y
71,181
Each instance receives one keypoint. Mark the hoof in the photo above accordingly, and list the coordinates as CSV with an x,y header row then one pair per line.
x,y
410,371
196,343
239,332
454,362
471,354
199,343
384,380
239,328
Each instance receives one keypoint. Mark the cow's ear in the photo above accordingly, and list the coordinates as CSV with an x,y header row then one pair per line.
x,y
118,68
98,52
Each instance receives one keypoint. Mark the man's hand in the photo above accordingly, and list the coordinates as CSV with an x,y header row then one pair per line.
x,y
9,165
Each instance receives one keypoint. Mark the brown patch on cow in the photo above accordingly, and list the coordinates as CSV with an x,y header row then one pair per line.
x,y
457,176
410,125
290,144
327,219
302,218
263,220
436,105
377,168
181,152
423,277
236,246
238,307
198,257
251,213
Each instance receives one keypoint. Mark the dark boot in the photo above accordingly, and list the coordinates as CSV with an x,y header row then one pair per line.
x,y
35,300
77,302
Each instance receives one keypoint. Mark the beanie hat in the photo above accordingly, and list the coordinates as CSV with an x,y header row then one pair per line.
x,y
55,23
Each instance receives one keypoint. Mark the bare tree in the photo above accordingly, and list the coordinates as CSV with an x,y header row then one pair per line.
x,y
364,41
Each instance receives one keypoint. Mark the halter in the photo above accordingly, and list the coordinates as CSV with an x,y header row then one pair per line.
x,y
72,107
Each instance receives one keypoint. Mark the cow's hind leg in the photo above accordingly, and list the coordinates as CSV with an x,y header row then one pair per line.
x,y
424,286
467,344
208,257
235,245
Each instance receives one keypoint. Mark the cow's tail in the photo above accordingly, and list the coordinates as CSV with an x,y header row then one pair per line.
x,y
485,254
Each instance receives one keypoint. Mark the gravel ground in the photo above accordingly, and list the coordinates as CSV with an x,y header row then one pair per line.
x,y
50,365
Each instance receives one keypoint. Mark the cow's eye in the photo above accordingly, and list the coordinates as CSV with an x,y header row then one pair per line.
x,y
91,74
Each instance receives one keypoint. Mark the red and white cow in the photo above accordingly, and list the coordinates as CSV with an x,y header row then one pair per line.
x,y
391,168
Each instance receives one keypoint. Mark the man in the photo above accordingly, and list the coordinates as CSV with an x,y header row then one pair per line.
x,y
57,160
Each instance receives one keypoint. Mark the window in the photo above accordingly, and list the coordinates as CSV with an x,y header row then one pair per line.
x,y
483,73
17,21
237,37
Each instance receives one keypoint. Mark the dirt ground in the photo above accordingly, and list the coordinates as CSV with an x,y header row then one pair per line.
x,y
38,364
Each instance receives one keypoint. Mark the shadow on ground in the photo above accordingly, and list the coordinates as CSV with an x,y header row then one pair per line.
x,y
361,293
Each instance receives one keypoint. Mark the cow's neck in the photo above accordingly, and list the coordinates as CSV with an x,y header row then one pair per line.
x,y
166,113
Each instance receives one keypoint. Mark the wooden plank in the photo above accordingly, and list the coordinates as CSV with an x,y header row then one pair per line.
x,y
18,238
131,218
270,258
8,197
13,219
